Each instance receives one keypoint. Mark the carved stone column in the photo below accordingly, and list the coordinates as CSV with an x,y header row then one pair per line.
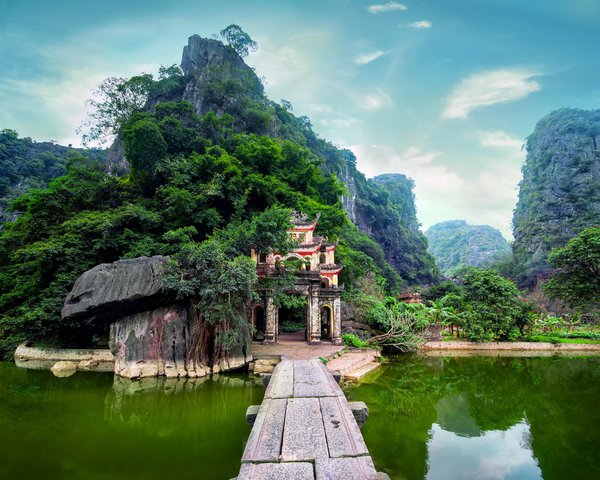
x,y
336,335
314,314
271,320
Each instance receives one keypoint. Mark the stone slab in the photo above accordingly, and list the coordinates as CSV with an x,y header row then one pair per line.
x,y
264,442
304,434
360,412
342,432
276,471
281,384
358,468
311,379
251,414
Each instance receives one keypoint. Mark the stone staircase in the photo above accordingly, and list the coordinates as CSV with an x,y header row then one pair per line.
x,y
355,364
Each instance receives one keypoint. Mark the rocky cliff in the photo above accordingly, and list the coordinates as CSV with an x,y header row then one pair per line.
x,y
456,244
217,80
150,333
559,194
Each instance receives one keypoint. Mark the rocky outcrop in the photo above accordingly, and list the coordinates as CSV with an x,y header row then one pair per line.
x,y
456,244
155,343
150,333
117,289
559,195
62,359
217,77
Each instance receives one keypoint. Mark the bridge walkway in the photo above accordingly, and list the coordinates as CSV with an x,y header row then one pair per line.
x,y
305,430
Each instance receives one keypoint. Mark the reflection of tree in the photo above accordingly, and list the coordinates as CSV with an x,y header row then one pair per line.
x,y
558,396
564,417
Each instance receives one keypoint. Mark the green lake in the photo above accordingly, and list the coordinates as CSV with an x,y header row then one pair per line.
x,y
435,418
484,417
91,426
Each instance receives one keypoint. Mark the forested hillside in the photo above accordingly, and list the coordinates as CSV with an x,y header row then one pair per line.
x,y
456,244
214,168
25,164
559,194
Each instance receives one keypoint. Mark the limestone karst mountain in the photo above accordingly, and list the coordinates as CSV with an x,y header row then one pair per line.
x,y
559,194
456,244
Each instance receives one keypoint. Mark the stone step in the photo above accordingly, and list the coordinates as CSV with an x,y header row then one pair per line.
x,y
359,373
351,361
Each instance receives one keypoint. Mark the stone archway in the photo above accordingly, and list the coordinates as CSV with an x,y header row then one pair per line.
x,y
326,322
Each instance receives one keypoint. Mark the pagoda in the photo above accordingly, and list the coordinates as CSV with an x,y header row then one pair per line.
x,y
316,277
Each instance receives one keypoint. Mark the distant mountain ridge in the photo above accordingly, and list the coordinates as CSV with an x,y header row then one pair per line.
x,y
26,164
456,244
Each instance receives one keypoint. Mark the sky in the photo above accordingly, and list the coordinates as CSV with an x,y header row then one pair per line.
x,y
444,91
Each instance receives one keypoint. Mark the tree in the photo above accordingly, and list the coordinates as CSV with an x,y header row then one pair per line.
x,y
492,306
239,40
577,275
111,106
144,148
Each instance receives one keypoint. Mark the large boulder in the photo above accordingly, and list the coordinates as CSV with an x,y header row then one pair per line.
x,y
155,343
113,290
151,334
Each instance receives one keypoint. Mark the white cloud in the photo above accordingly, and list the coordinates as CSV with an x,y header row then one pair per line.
x,y
421,24
490,87
386,7
486,195
499,139
368,57
320,108
375,100
341,123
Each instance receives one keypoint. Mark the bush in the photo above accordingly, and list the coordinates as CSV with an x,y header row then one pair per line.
x,y
352,340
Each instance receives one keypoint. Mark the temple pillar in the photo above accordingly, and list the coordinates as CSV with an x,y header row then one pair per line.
x,y
336,336
271,320
314,316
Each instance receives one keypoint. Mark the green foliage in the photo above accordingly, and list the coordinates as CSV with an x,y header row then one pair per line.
x,y
203,189
144,148
491,307
440,290
352,340
25,165
112,105
239,40
577,275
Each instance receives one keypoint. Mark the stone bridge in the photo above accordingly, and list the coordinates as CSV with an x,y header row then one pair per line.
x,y
306,429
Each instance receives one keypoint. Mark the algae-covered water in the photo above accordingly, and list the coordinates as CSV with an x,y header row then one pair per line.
x,y
484,417
435,418
94,426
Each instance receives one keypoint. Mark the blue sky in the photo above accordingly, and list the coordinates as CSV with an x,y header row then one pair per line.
x,y
444,91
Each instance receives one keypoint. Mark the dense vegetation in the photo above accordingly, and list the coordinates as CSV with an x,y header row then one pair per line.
x,y
201,188
559,194
455,244
576,278
25,164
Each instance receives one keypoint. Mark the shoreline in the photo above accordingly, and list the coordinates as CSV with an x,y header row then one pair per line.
x,y
465,348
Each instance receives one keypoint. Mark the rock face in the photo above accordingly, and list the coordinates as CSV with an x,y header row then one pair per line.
x,y
150,333
211,68
116,289
384,208
456,244
155,343
559,195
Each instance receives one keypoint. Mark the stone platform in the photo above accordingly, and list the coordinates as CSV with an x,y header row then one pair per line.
x,y
305,429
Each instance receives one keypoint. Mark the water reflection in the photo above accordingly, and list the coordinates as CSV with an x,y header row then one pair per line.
x,y
491,455
484,417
